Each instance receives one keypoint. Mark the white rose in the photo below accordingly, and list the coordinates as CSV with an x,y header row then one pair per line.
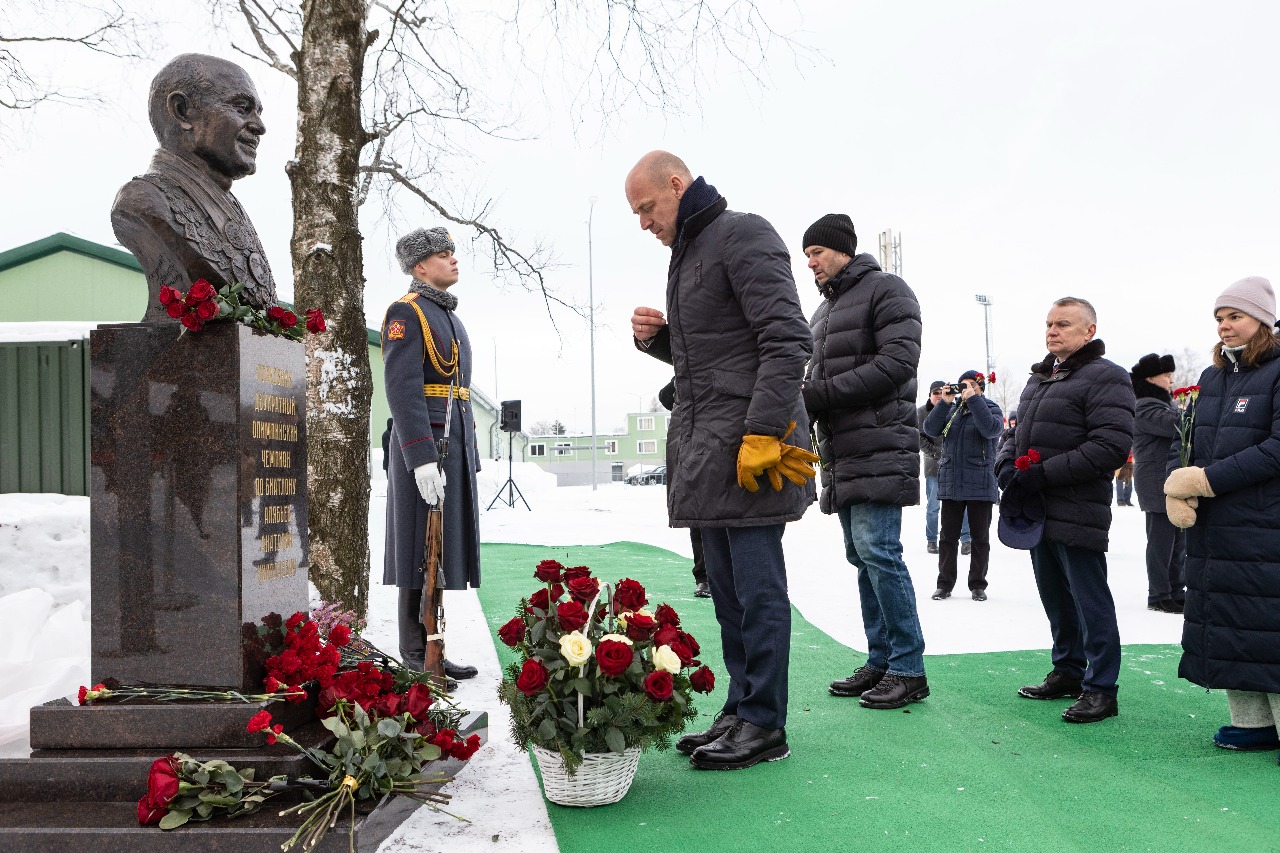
x,y
664,658
622,619
617,638
575,648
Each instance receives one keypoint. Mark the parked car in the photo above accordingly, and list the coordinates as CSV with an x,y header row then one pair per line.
x,y
655,477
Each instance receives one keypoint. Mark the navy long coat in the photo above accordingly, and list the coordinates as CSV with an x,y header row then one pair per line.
x,y
967,469
1231,636
417,421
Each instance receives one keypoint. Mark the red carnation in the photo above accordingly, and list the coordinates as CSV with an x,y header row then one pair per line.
x,y
629,595
169,295
295,620
703,680
1033,455
576,572
273,731
462,750
991,377
339,635
572,615
199,292
315,321
658,685
259,721
584,589
613,657
512,632
533,677
666,615
548,571
1022,463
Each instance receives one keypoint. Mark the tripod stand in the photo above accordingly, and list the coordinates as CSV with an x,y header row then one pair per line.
x,y
510,487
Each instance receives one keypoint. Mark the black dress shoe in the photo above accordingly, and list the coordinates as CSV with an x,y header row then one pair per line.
x,y
1056,685
689,743
933,547
744,745
1166,606
979,595
702,590
459,671
939,594
894,691
1091,707
858,683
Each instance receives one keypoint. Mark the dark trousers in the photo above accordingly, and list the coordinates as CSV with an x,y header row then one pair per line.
x,y
949,542
413,637
749,590
1166,552
1082,615
699,562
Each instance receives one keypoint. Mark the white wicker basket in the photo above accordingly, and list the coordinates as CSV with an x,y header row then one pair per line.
x,y
602,778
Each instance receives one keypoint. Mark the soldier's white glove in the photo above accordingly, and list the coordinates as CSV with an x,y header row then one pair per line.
x,y
430,482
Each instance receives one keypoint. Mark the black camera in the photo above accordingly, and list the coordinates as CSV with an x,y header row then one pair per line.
x,y
951,389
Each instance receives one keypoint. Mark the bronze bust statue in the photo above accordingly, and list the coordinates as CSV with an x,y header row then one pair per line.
x,y
180,219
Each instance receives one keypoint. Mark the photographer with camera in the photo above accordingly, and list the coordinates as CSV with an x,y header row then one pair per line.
x,y
968,429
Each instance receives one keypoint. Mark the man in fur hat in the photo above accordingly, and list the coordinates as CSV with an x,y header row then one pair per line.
x,y
1155,425
426,358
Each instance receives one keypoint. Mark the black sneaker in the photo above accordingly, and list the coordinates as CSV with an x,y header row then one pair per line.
x,y
702,590
858,683
966,547
1056,685
1091,707
932,546
894,691
1166,605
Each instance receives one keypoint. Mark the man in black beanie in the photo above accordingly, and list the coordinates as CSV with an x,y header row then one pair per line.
x,y
860,391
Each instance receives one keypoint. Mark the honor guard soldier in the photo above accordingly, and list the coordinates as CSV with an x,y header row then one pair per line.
x,y
426,361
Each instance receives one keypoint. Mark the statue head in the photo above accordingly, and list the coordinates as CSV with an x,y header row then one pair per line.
x,y
206,110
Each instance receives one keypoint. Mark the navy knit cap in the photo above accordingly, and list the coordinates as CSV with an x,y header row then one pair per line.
x,y
975,376
834,231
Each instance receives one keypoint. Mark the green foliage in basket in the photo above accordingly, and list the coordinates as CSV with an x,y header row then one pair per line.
x,y
598,672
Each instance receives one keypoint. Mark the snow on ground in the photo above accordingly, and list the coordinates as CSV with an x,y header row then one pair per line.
x,y
44,570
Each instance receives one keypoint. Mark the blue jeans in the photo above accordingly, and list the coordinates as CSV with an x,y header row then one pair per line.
x,y
1082,615
873,543
931,508
748,581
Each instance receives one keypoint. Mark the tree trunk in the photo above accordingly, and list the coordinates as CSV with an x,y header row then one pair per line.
x,y
328,266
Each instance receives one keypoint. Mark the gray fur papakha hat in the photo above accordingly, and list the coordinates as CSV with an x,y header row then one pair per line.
x,y
421,243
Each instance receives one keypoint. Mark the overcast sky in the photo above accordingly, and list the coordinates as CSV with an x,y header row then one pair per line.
x,y
1123,152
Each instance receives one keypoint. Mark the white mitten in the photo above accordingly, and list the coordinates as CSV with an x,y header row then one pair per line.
x,y
1181,511
1189,482
430,482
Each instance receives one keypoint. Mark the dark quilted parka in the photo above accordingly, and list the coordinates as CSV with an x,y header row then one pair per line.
x,y
1231,636
860,388
967,470
1081,422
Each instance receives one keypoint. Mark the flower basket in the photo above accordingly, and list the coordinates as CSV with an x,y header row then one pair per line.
x,y
602,777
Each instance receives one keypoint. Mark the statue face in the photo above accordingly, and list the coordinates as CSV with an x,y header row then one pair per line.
x,y
227,125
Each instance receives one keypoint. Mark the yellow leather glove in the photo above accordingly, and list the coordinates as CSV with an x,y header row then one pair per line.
x,y
796,465
757,453
1181,511
1189,482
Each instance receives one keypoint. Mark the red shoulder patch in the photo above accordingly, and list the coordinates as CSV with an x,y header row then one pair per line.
x,y
395,331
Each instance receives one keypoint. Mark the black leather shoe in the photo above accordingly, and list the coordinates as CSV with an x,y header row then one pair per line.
x,y
894,691
1166,606
702,590
933,547
689,743
979,595
1091,707
459,671
939,594
1056,685
744,745
858,683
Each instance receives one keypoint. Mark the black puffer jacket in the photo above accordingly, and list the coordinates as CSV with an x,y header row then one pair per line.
x,y
738,340
931,447
1231,637
860,388
1154,426
1081,421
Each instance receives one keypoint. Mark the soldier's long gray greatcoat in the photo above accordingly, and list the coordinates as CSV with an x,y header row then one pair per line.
x,y
409,365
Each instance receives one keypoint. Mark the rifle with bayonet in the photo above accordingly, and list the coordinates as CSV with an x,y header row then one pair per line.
x,y
433,583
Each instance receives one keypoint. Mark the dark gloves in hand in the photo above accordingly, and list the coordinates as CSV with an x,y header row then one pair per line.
x,y
1005,476
1032,479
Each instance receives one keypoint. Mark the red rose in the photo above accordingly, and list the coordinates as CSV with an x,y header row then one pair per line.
x,y
640,627
666,636
584,589
683,652
613,657
339,635
512,632
276,313
150,813
259,721
572,616
192,322
289,320
1033,455
658,685
629,595
703,680
175,309
387,705
162,780
689,641
548,571
207,310
666,615
576,572
200,291
1022,463
169,295
315,321
418,701
538,601
533,677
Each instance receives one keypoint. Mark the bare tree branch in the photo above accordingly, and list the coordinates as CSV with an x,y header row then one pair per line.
x,y
273,60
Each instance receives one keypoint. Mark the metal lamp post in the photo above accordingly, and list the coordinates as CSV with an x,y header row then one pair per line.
x,y
985,302
592,321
